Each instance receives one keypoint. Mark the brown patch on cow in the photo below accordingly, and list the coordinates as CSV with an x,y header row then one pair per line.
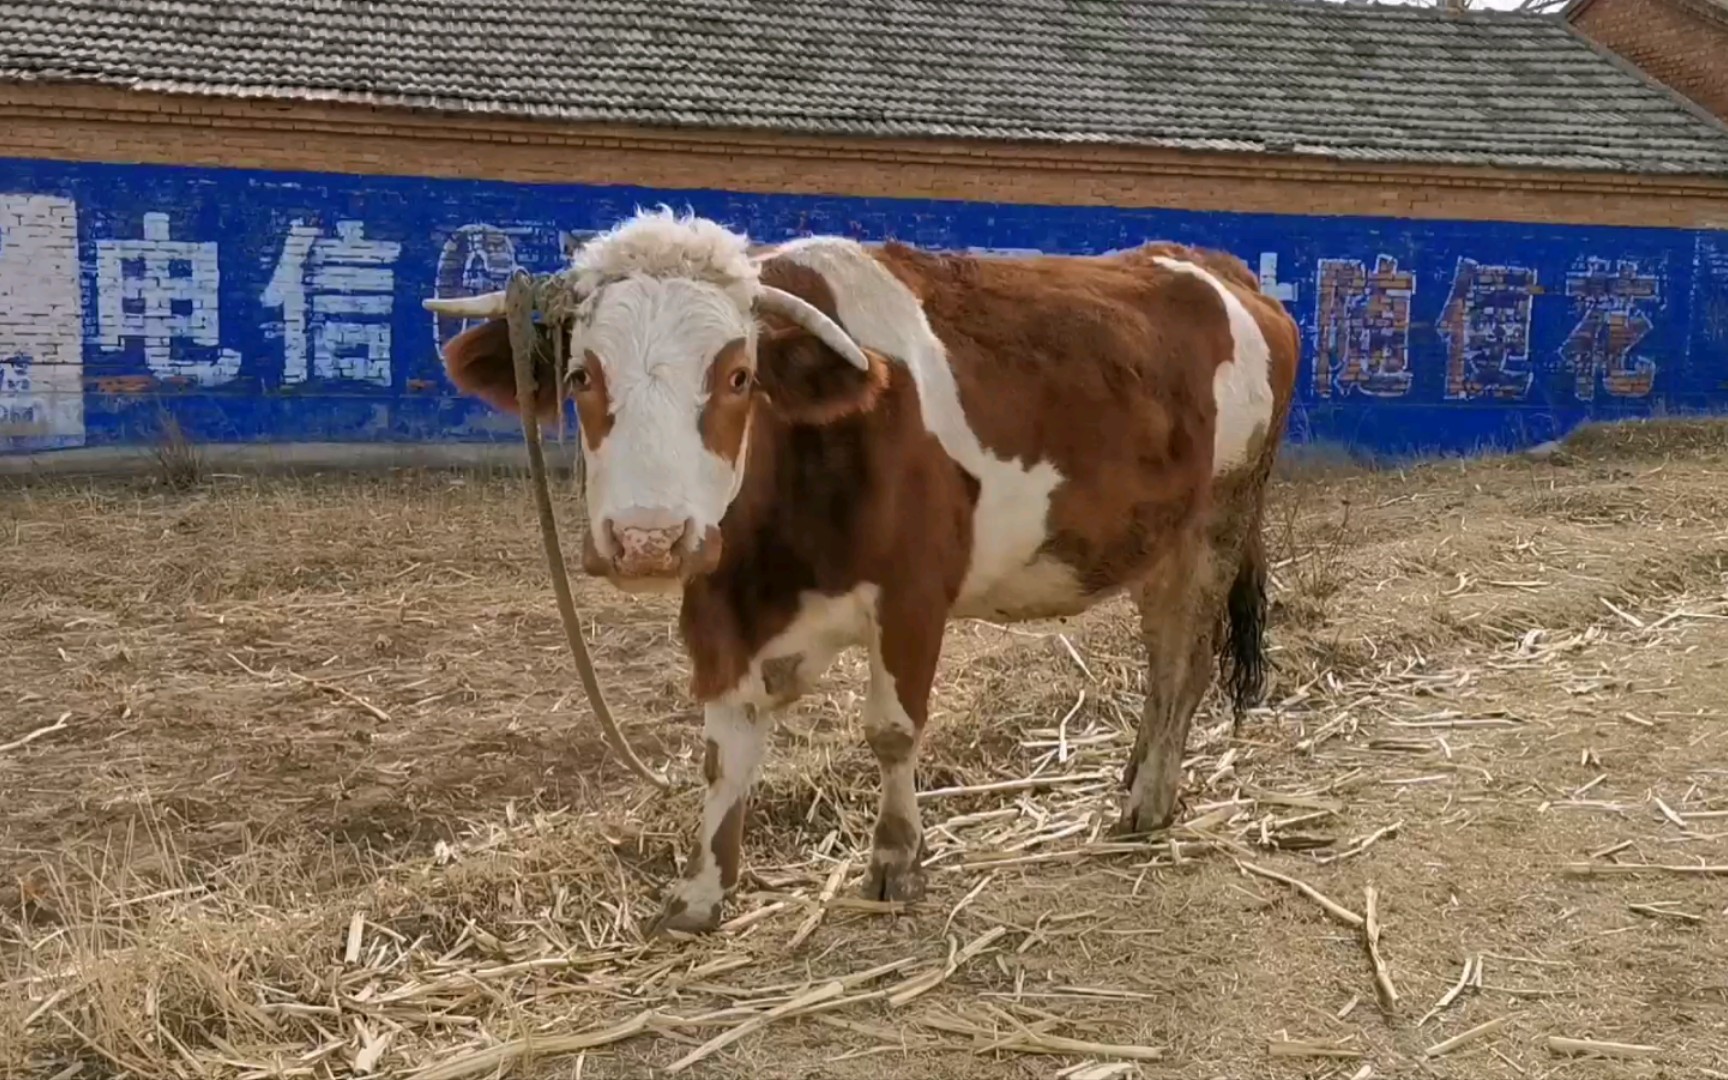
x,y
1101,367
803,282
1221,264
910,619
1235,502
808,383
706,556
803,379
729,385
587,379
868,496
711,762
479,362
728,844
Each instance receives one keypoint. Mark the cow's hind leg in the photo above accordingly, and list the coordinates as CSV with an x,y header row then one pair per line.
x,y
736,735
902,667
1179,624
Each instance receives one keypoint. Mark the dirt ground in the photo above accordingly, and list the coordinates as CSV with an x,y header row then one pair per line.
x,y
296,780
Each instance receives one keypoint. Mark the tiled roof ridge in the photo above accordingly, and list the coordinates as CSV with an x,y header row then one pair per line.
x,y
1347,81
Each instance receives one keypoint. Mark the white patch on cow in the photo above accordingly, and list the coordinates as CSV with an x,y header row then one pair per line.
x,y
1010,522
824,627
1242,387
739,737
660,244
656,339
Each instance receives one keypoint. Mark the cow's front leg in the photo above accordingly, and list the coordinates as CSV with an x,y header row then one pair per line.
x,y
736,735
902,667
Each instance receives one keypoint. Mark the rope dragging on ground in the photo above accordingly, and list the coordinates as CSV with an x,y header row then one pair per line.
x,y
519,311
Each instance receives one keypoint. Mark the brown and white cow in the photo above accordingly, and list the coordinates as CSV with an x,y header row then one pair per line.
x,y
825,444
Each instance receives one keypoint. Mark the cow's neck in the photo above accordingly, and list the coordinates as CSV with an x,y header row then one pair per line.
x,y
800,524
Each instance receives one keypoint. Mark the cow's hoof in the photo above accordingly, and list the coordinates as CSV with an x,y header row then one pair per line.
x,y
680,916
890,882
1141,820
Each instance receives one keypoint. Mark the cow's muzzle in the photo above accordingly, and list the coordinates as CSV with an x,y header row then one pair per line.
x,y
651,546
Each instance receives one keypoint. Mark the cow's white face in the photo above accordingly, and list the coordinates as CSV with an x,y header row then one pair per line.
x,y
662,375
667,367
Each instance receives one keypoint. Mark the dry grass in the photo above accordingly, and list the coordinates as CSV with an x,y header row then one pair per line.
x,y
297,782
179,463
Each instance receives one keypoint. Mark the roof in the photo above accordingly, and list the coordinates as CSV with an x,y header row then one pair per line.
x,y
1346,81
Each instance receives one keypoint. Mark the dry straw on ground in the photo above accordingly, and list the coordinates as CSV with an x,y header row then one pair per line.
x,y
297,782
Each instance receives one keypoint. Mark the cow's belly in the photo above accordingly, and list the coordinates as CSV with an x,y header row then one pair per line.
x,y
1010,577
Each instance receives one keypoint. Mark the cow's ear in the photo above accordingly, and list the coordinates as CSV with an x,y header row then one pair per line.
x,y
809,383
479,363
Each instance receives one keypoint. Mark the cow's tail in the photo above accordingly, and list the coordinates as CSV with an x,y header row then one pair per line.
x,y
1242,646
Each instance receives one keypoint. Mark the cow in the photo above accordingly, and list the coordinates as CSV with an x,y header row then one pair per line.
x,y
824,444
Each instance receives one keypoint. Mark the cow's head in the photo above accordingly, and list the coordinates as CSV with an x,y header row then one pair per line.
x,y
673,343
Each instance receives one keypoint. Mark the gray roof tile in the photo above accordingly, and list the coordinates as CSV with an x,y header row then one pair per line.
x,y
1347,81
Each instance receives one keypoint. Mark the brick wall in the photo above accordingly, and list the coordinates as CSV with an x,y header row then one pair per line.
x,y
100,124
1683,43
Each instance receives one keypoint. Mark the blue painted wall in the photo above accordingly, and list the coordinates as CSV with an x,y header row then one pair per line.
x,y
286,306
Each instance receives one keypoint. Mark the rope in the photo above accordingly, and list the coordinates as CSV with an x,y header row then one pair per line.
x,y
520,303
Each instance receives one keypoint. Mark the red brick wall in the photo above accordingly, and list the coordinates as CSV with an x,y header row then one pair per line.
x,y
1682,44
84,123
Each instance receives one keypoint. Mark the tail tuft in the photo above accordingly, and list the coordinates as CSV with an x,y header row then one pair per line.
x,y
1243,652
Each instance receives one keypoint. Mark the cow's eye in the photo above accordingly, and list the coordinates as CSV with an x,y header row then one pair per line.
x,y
579,378
740,380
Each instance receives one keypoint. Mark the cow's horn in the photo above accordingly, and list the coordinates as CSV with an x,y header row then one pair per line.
x,y
811,318
485,306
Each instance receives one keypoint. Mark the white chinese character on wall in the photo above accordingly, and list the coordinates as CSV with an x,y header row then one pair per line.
x,y
41,324
1269,283
336,295
163,291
